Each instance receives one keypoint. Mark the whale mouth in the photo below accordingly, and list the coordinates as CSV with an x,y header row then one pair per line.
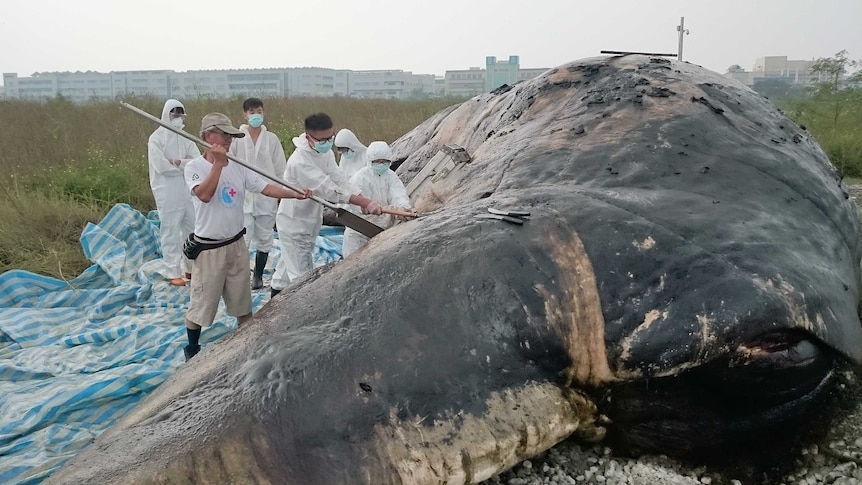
x,y
762,395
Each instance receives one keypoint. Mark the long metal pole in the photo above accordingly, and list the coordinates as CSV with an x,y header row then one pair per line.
x,y
681,29
347,218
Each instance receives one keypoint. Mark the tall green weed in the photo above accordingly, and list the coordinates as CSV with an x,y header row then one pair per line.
x,y
63,165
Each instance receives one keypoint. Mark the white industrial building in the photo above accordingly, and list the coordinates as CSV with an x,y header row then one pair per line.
x,y
285,82
81,87
392,84
775,68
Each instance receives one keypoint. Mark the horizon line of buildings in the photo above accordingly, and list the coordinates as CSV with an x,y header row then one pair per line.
x,y
320,81
273,82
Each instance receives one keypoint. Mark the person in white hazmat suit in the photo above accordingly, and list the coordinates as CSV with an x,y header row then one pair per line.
x,y
352,152
168,154
311,165
261,149
380,183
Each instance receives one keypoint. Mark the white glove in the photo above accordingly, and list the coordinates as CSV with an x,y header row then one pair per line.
x,y
402,209
373,208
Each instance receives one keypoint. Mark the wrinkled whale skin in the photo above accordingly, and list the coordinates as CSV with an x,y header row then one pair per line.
x,y
691,263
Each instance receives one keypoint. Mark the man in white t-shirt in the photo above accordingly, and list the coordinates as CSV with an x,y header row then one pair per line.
x,y
218,188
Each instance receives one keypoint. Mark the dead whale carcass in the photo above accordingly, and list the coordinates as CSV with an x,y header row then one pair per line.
x,y
688,279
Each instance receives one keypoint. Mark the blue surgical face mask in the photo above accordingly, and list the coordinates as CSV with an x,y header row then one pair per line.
x,y
322,146
348,154
255,120
380,168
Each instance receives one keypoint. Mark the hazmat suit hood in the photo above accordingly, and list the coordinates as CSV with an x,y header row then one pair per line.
x,y
169,105
378,150
301,143
346,139
350,164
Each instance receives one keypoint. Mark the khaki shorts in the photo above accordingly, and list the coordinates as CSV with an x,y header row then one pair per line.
x,y
217,273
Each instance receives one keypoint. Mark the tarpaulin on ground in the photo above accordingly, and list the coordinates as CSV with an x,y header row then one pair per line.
x,y
76,355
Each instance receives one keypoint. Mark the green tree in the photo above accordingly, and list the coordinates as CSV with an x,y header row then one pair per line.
x,y
830,72
832,110
829,86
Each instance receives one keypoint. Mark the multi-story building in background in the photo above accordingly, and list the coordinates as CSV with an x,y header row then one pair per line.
x,y
440,86
498,73
795,72
774,69
276,82
776,76
473,81
392,84
530,73
464,83
84,86
341,80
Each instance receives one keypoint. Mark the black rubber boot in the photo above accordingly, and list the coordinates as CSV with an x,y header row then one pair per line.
x,y
259,265
191,351
273,292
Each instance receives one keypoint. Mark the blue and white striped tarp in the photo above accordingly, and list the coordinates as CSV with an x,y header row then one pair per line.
x,y
76,355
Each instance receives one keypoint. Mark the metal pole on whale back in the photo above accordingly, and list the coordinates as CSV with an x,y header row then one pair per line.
x,y
679,28
682,32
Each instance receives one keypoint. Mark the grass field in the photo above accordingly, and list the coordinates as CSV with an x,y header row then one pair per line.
x,y
64,164
835,120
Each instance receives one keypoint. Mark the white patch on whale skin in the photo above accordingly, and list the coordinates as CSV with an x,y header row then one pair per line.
x,y
647,243
465,448
649,318
798,316
706,336
663,143
707,339
631,196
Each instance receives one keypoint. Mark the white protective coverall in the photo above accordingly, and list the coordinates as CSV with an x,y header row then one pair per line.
x,y
387,189
267,155
299,221
173,200
350,163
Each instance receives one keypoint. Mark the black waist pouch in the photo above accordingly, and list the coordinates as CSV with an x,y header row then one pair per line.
x,y
193,245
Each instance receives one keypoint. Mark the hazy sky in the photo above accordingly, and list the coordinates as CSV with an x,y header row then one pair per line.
x,y
426,37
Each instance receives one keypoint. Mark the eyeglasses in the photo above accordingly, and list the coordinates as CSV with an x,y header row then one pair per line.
x,y
331,137
381,160
178,111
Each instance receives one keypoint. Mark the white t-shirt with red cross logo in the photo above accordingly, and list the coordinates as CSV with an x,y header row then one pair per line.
x,y
221,217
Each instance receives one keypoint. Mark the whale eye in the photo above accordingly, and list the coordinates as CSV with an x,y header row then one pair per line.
x,y
757,395
772,368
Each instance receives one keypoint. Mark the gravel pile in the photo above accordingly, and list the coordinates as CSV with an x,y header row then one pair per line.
x,y
834,459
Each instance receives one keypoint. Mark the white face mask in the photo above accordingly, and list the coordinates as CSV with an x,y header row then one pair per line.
x,y
178,122
380,168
